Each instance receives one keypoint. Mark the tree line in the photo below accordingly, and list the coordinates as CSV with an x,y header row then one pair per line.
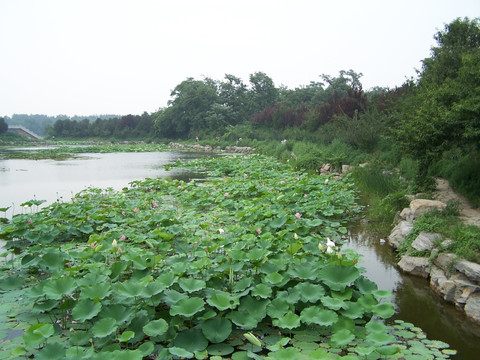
x,y
430,119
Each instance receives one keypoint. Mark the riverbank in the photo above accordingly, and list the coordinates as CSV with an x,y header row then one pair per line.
x,y
427,253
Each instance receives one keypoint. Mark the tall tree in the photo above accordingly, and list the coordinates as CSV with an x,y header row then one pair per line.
x,y
3,126
263,92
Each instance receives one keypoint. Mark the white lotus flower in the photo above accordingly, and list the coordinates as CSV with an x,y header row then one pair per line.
x,y
114,243
330,250
330,243
221,231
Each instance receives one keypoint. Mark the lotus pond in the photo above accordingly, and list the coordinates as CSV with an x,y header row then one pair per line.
x,y
246,265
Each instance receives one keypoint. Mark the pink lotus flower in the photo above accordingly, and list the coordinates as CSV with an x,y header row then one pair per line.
x,y
305,195
155,204
119,250
245,176
135,210
122,237
179,186
226,194
259,231
298,215
92,245
123,213
185,191
29,221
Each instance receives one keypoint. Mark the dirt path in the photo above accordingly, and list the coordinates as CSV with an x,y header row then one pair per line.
x,y
468,214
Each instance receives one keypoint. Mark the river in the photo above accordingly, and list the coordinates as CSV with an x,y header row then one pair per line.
x,y
52,180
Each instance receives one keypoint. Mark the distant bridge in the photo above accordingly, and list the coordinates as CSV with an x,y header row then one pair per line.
x,y
23,131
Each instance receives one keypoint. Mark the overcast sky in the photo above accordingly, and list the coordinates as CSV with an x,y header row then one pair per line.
x,y
85,57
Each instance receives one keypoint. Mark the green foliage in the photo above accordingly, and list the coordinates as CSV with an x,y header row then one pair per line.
x,y
3,126
183,269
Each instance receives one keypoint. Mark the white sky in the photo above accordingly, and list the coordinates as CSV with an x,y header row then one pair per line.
x,y
85,57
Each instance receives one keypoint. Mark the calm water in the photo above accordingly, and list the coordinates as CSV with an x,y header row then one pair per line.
x,y
415,302
51,180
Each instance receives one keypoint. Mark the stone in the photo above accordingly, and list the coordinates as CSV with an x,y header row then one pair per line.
x,y
441,284
445,261
420,206
425,241
417,266
346,169
399,232
446,243
472,307
464,288
470,269
406,214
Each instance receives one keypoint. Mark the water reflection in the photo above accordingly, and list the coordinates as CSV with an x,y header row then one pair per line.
x,y
414,300
23,180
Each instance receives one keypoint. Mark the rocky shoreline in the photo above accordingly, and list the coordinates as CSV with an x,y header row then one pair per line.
x,y
455,279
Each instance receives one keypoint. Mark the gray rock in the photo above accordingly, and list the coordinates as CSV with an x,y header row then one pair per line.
x,y
420,206
472,307
407,214
445,261
399,232
446,243
417,266
464,288
470,269
441,284
425,241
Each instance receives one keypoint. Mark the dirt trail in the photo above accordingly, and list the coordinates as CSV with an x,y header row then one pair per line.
x,y
468,214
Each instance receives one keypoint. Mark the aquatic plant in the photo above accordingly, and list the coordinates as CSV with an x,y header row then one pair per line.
x,y
147,273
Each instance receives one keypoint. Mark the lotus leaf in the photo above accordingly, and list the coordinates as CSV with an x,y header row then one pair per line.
x,y
129,289
242,284
352,310
275,279
384,310
368,302
256,254
153,288
220,349
172,297
37,333
332,303
119,355
342,337
319,316
261,290
338,277
57,288
86,310
104,327
146,348
304,271
310,292
52,351
96,291
126,335
155,327
117,311
379,338
191,340
344,295
191,285
289,321
217,329
287,354
187,307
256,308
243,319
11,283
222,300
277,308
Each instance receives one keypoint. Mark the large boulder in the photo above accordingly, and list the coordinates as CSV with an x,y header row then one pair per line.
x,y
425,241
417,266
399,233
464,288
472,307
470,269
420,206
441,284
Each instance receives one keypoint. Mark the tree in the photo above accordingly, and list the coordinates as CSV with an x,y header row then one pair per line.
x,y
444,109
263,92
3,126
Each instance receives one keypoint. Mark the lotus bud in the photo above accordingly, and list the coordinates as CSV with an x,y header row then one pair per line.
x,y
339,255
295,236
114,243
320,246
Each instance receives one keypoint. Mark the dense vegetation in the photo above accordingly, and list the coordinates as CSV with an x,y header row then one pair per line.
x,y
246,265
427,127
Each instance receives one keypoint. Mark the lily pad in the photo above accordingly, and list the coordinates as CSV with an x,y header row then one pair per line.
x,y
342,337
156,327
289,321
191,340
187,307
86,310
57,288
217,329
338,277
104,327
191,285
319,316
222,300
